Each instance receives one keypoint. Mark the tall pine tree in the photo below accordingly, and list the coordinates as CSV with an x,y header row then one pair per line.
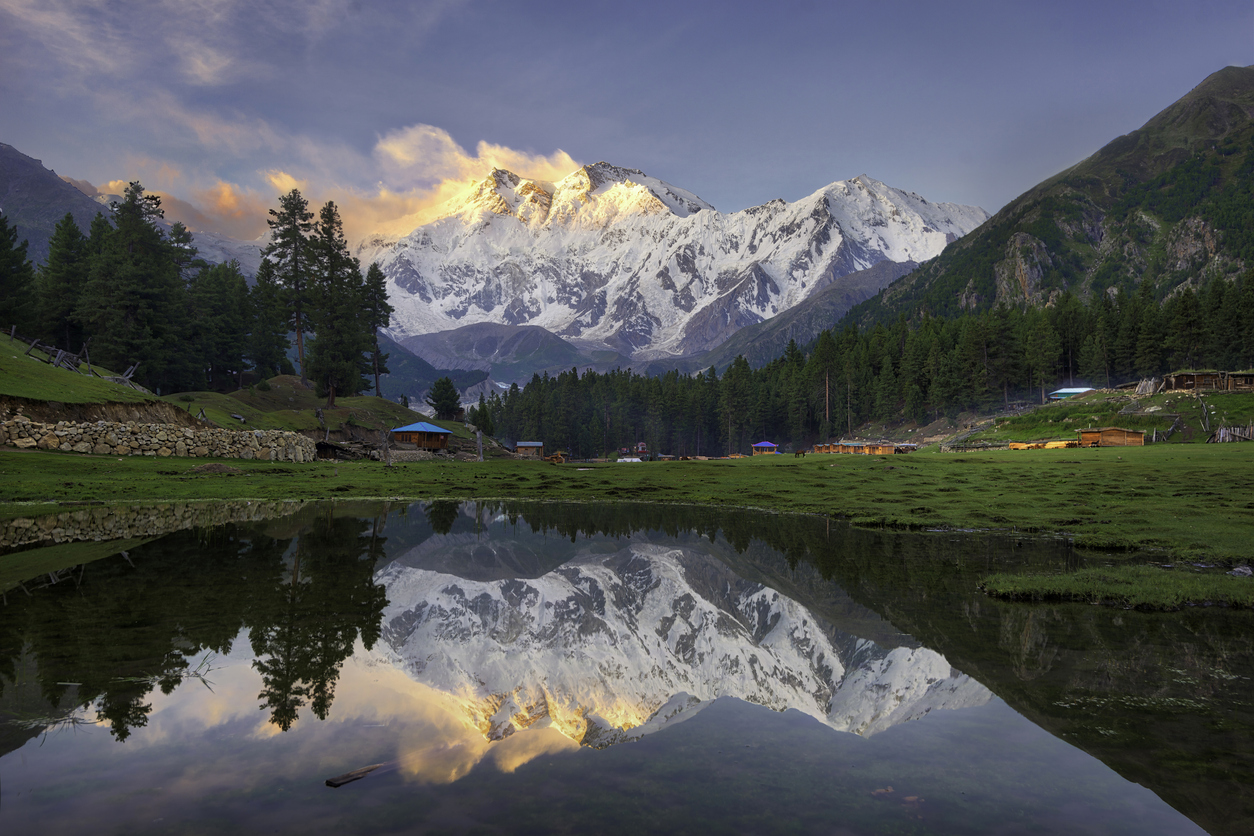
x,y
378,314
16,278
337,356
289,249
60,284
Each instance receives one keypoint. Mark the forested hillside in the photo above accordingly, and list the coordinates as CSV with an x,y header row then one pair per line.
x,y
911,371
1167,205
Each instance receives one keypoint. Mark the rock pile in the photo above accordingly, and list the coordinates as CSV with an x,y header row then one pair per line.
x,y
109,438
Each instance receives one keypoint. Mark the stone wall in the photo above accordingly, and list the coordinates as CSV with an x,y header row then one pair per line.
x,y
108,522
109,438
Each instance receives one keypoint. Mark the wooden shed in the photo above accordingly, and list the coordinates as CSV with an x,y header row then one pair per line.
x,y
530,449
1213,381
765,448
1111,437
423,435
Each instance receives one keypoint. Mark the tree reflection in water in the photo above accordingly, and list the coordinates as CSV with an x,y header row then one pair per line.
x,y
132,623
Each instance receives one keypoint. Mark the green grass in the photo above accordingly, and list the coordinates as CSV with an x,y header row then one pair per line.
x,y
290,406
1140,587
1184,500
1060,420
24,377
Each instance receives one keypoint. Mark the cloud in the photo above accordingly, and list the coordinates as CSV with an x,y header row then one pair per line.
x,y
208,42
224,208
82,185
424,155
411,171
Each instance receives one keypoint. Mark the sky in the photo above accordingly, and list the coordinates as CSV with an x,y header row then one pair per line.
x,y
388,108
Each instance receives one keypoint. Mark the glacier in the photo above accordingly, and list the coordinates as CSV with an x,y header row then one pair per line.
x,y
621,641
611,258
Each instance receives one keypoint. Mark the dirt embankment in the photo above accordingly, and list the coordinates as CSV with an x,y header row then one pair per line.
x,y
50,412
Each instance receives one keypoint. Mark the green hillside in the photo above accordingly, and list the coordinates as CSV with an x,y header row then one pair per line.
x,y
26,377
1170,203
283,403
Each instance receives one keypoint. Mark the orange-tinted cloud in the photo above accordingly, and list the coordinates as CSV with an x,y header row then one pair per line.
x,y
423,154
421,167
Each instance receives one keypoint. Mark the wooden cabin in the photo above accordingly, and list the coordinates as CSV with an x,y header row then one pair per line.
x,y
1111,437
1212,381
765,448
423,435
530,449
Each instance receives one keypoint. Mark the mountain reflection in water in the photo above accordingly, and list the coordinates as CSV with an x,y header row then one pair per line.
x,y
441,639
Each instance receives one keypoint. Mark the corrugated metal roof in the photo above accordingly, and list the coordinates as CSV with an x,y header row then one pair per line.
x,y
531,444
422,427
766,444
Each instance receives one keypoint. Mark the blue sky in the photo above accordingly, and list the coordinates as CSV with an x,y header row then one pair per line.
x,y
386,106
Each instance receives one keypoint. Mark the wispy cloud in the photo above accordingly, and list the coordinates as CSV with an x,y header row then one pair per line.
x,y
410,173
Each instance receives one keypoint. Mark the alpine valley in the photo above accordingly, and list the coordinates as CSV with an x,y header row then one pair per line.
x,y
623,265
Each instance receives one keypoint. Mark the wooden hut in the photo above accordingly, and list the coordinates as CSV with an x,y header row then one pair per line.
x,y
423,435
1111,437
765,448
530,449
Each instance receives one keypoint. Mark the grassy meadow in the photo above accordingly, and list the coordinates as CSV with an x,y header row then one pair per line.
x,y
1189,501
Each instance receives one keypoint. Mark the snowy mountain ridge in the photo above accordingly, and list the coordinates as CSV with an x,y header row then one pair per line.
x,y
609,257
611,646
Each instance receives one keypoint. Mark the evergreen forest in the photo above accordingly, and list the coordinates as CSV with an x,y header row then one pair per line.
x,y
916,370
136,294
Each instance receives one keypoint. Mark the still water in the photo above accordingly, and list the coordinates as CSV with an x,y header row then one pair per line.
x,y
547,668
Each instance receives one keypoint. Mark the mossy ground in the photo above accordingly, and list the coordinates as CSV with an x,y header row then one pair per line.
x,y
1189,501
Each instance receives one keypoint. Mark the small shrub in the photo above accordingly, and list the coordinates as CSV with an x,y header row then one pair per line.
x,y
263,386
186,398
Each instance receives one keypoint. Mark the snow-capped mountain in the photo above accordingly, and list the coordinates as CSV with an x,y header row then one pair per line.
x,y
610,646
613,258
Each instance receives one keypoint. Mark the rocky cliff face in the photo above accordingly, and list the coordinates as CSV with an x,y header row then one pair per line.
x,y
610,646
609,257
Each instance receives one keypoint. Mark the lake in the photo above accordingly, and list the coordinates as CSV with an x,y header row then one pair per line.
x,y
514,667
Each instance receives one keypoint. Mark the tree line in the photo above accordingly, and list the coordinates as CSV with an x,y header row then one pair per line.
x,y
915,370
137,293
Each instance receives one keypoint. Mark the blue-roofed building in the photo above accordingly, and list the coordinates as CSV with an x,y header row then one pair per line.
x,y
765,448
1063,394
423,435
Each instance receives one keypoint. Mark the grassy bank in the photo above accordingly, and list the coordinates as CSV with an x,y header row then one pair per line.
x,y
1139,587
284,404
1191,501
25,377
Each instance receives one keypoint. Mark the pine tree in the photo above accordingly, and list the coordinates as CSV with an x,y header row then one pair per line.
x,y
268,342
1042,350
134,303
17,278
337,356
378,315
445,400
219,297
60,283
289,249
